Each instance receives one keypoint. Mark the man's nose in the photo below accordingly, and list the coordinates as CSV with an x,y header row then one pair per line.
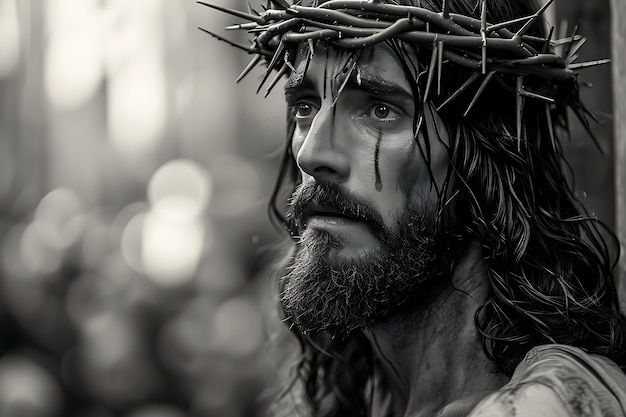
x,y
322,153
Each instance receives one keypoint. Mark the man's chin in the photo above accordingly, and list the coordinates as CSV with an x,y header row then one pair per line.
x,y
339,250
319,289
334,287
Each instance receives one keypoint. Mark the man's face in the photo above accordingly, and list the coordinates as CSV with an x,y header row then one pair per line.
x,y
367,191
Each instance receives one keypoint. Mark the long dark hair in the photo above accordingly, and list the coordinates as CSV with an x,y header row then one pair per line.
x,y
549,262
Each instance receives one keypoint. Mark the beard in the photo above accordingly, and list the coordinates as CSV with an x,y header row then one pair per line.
x,y
323,292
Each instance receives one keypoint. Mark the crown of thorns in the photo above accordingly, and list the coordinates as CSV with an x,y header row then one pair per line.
x,y
488,48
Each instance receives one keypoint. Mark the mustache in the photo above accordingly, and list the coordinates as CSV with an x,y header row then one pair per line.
x,y
316,196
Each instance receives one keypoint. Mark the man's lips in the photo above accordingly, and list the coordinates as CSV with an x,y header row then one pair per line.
x,y
316,210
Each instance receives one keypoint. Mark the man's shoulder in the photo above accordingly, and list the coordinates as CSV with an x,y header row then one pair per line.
x,y
559,380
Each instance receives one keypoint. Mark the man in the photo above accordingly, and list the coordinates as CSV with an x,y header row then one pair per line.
x,y
442,264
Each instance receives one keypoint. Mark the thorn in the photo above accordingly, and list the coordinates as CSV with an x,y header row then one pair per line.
x,y
580,112
278,76
253,63
466,84
272,64
483,35
584,83
503,25
588,64
223,39
233,12
575,49
571,59
603,117
479,92
593,116
307,59
439,66
277,55
250,25
288,63
563,41
445,9
431,69
550,126
533,19
418,127
343,84
483,59
573,38
251,10
530,94
546,45
519,107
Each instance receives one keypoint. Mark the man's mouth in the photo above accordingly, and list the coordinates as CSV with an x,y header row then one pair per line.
x,y
316,213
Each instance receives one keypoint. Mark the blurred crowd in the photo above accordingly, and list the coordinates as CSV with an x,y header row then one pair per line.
x,y
136,255
135,250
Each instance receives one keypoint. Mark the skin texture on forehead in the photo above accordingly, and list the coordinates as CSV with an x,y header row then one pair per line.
x,y
367,69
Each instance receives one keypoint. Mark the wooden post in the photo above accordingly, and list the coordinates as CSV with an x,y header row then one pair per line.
x,y
618,14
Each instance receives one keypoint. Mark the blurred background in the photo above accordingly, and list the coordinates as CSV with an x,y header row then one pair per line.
x,y
135,250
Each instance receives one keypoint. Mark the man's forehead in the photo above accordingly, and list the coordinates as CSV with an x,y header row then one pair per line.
x,y
368,64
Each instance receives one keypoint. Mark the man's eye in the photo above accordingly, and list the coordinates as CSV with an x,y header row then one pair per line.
x,y
379,116
381,111
303,109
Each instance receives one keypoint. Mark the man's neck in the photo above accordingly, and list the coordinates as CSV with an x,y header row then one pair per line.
x,y
432,356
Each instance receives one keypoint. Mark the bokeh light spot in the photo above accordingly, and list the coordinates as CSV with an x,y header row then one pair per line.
x,y
62,211
11,257
171,250
39,248
137,108
238,328
180,188
73,70
239,186
131,242
155,410
26,385
9,37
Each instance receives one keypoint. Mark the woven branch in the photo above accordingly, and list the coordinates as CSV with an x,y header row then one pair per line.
x,y
487,48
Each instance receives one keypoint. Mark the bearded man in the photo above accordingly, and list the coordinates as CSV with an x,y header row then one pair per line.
x,y
442,263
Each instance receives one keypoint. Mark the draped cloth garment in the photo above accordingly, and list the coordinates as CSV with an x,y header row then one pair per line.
x,y
559,380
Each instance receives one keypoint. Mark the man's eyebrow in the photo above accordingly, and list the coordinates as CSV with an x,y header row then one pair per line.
x,y
375,84
359,80
298,83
